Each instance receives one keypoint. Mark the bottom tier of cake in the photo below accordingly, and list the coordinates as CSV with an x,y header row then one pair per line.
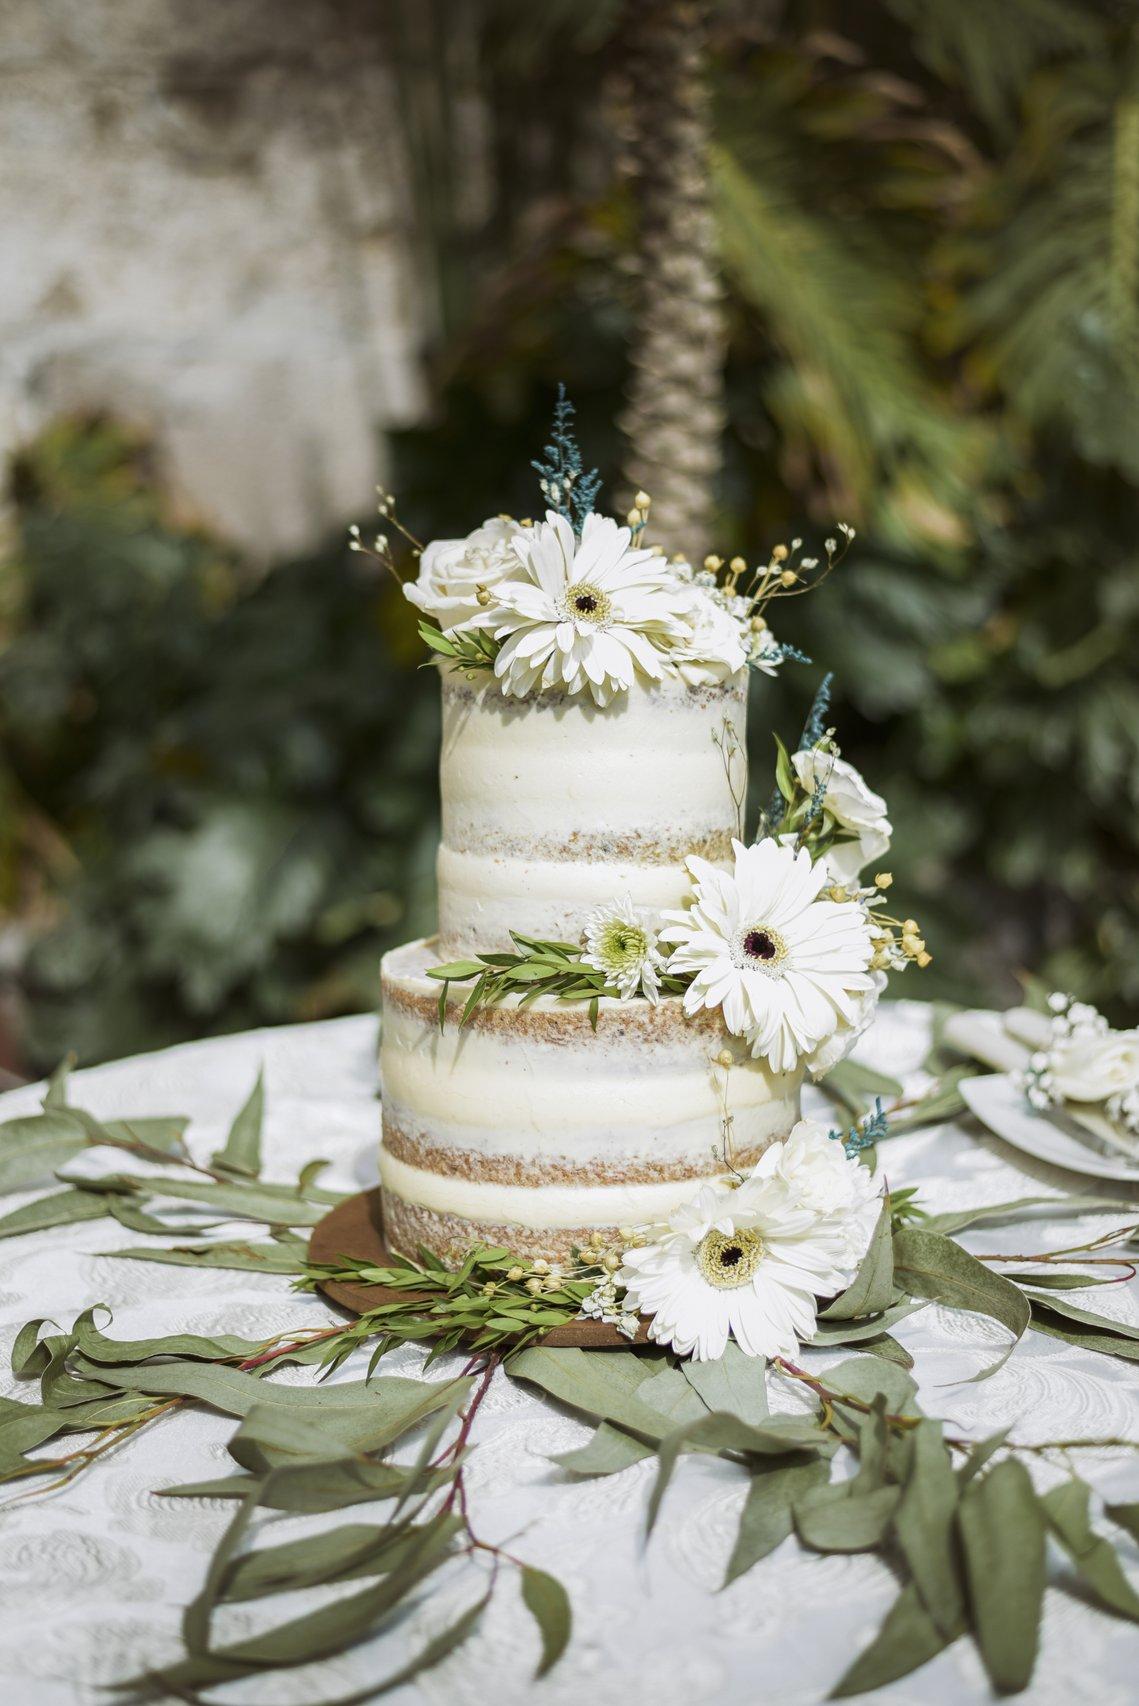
x,y
529,1129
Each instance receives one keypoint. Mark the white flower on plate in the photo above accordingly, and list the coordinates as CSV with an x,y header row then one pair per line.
x,y
452,571
620,941
786,968
1091,1066
583,615
748,1261
838,1045
855,807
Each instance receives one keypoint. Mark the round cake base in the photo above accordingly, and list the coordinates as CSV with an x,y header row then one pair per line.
x,y
355,1229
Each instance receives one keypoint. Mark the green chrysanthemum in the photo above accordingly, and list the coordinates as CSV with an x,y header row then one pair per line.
x,y
621,943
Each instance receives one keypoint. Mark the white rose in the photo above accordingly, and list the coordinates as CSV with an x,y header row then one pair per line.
x,y
854,807
712,647
1093,1066
452,570
838,1045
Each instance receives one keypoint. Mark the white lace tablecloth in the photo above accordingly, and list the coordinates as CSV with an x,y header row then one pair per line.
x,y
93,1578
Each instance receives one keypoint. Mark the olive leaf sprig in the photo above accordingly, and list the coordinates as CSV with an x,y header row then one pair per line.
x,y
538,967
492,1300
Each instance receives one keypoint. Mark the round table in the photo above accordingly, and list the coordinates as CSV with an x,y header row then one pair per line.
x,y
93,1578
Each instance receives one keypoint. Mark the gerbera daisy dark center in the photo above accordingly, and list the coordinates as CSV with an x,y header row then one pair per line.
x,y
759,945
587,603
729,1259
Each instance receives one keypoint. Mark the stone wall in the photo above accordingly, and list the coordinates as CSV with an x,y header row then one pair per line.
x,y
205,228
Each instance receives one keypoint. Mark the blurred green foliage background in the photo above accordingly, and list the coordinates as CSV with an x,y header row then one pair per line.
x,y
218,790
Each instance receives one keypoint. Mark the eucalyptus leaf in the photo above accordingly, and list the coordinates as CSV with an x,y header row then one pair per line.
x,y
315,1634
337,1555
924,1527
228,1201
59,1208
1127,1516
34,1147
1001,1213
607,1453
780,1436
834,1519
601,1386
239,1254
872,1288
1093,1556
733,1383
1085,1317
548,1604
927,1264
908,1639
309,1489
766,1519
1002,1527
242,1152
866,1378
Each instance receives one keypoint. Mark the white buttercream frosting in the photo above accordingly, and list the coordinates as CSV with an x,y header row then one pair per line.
x,y
483,1122
552,807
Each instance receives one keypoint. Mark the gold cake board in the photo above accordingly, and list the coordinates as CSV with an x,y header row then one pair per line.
x,y
355,1228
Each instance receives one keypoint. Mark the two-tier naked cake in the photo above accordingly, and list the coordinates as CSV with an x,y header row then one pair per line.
x,y
623,996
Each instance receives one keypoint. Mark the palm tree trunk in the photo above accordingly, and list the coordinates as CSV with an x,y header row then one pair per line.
x,y
675,413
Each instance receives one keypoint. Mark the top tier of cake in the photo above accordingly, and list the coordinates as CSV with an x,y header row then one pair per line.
x,y
552,807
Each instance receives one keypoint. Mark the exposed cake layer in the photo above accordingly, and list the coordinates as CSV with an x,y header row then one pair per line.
x,y
530,1129
552,807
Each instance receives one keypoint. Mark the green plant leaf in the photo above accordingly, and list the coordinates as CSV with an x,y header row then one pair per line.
x,y
927,1264
872,1288
548,1604
337,1555
766,1519
908,1639
780,1437
836,1519
58,1208
1002,1527
607,1453
275,1258
1127,1516
924,1527
733,1383
32,1148
999,1213
242,1152
1093,1556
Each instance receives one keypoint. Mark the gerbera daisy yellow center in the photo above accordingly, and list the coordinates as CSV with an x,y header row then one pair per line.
x,y
729,1259
757,947
587,603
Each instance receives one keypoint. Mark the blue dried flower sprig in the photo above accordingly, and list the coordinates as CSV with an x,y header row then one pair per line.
x,y
865,1132
565,485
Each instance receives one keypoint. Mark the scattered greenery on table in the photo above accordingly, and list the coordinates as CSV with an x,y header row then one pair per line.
x,y
959,1521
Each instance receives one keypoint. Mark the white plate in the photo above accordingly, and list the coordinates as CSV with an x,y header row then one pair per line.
x,y
999,1103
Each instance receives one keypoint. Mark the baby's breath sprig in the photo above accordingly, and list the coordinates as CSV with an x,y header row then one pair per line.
x,y
786,574
539,967
380,549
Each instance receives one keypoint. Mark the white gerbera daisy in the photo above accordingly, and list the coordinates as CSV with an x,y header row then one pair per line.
x,y
785,967
581,614
621,942
748,1262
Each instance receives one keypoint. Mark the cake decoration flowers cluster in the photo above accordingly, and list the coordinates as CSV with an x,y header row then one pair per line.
x,y
583,604
747,1259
